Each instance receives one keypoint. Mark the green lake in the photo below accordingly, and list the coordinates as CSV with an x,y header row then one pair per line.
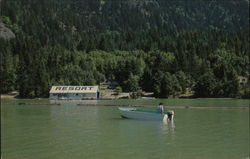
x,y
69,131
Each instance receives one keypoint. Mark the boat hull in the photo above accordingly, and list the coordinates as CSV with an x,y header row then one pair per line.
x,y
140,115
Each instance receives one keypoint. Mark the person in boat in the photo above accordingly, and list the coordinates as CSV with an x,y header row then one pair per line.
x,y
160,108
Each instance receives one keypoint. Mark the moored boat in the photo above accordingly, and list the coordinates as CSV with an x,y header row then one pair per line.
x,y
143,114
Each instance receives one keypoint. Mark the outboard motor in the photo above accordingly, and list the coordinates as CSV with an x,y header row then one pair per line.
x,y
170,115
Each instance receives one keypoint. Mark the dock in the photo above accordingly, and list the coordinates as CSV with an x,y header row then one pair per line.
x,y
39,104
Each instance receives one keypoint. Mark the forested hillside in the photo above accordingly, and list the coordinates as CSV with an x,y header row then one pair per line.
x,y
164,46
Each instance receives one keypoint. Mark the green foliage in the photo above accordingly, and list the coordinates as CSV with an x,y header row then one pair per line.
x,y
205,85
245,91
167,47
185,81
7,71
166,85
133,83
8,23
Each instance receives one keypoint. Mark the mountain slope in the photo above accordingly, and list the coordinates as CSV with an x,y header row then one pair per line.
x,y
162,46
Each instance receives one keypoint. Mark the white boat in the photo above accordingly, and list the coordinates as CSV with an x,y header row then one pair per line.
x,y
143,114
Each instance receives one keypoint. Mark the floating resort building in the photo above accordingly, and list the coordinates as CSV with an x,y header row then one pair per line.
x,y
74,92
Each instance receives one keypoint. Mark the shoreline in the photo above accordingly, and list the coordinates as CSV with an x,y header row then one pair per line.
x,y
15,97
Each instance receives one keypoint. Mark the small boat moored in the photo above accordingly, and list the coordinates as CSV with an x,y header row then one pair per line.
x,y
143,114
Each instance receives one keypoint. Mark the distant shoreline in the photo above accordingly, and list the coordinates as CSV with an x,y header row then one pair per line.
x,y
8,96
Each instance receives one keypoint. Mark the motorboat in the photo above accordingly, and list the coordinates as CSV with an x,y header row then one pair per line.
x,y
144,114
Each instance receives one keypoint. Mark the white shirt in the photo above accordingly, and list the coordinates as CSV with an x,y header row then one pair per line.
x,y
160,108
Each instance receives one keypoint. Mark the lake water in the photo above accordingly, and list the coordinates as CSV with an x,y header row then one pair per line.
x,y
91,132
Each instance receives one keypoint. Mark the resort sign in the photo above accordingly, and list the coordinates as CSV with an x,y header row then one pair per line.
x,y
74,89
71,88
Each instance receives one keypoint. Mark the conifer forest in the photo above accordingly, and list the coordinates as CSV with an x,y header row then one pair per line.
x,y
161,46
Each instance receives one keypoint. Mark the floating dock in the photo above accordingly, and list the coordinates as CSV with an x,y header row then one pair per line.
x,y
39,104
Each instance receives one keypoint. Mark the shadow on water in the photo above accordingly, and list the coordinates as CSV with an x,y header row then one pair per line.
x,y
118,118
